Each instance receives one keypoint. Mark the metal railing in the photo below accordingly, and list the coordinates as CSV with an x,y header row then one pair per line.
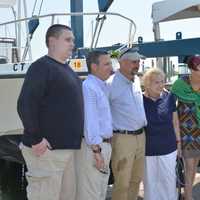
x,y
52,16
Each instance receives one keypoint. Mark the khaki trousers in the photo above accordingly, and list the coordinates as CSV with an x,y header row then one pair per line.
x,y
128,165
92,184
50,176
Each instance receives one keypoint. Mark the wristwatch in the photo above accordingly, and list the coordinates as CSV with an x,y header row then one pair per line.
x,y
96,149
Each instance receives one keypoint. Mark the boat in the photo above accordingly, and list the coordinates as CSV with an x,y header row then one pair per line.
x,y
16,50
16,56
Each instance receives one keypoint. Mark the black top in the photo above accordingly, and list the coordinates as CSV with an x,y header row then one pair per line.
x,y
160,133
50,105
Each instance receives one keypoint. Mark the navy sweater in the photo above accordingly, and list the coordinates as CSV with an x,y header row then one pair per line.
x,y
50,105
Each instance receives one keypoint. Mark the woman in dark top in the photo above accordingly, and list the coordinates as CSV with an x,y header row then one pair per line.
x,y
187,90
162,132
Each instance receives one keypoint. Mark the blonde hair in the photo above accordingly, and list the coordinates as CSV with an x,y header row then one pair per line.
x,y
150,74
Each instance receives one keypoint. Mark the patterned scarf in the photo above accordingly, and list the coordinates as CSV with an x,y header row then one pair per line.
x,y
186,94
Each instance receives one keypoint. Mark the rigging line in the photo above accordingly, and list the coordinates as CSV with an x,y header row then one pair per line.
x,y
34,7
101,25
95,31
40,7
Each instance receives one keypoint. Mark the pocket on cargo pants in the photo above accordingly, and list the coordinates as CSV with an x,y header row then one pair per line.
x,y
44,186
44,176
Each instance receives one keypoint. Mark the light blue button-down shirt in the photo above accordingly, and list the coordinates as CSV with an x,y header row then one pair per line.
x,y
98,121
126,103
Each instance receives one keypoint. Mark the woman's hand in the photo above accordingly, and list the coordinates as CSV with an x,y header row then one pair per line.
x,y
179,150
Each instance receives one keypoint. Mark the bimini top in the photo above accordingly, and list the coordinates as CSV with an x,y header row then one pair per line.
x,y
169,10
7,3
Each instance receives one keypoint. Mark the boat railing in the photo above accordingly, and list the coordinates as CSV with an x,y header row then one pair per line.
x,y
53,17
132,26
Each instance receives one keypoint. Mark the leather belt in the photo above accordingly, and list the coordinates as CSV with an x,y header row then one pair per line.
x,y
136,132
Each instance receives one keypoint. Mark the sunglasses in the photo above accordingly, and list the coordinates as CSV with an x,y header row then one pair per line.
x,y
104,171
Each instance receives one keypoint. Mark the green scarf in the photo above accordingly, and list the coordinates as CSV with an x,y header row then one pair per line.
x,y
186,94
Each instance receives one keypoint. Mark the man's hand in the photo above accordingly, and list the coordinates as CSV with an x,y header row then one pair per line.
x,y
40,148
99,161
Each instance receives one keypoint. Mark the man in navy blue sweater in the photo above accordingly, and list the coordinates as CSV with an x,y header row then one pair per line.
x,y
50,106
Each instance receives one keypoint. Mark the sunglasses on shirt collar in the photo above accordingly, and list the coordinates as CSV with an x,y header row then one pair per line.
x,y
104,171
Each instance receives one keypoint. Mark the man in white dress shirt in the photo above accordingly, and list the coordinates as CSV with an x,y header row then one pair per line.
x,y
94,157
128,115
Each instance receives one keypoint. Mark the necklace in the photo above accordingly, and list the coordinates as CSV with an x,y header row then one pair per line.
x,y
196,90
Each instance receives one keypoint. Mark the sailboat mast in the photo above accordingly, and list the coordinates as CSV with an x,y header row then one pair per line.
x,y
19,30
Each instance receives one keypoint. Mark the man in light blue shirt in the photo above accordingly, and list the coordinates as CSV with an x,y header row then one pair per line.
x,y
94,157
129,118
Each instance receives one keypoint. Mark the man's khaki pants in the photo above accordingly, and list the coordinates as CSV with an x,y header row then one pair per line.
x,y
50,176
128,165
92,184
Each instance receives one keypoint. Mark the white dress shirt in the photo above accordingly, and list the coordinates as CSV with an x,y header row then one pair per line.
x,y
126,103
98,121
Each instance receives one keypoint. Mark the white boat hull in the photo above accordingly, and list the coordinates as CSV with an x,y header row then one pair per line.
x,y
9,119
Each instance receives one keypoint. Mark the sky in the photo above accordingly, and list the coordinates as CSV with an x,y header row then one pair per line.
x,y
140,12
115,30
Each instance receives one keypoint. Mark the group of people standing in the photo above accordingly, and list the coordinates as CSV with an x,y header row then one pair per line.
x,y
72,129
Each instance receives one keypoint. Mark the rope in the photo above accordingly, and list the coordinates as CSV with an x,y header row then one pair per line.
x,y
40,7
95,31
34,7
101,25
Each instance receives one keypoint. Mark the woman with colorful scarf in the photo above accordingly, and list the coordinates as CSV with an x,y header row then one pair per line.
x,y
187,91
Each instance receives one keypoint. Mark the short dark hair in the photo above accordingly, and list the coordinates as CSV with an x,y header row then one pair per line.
x,y
93,58
55,31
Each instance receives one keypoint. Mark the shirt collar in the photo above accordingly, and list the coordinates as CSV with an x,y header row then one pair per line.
x,y
123,78
162,96
100,82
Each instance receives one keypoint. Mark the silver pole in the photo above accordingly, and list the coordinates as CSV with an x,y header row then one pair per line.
x,y
28,46
19,29
156,30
